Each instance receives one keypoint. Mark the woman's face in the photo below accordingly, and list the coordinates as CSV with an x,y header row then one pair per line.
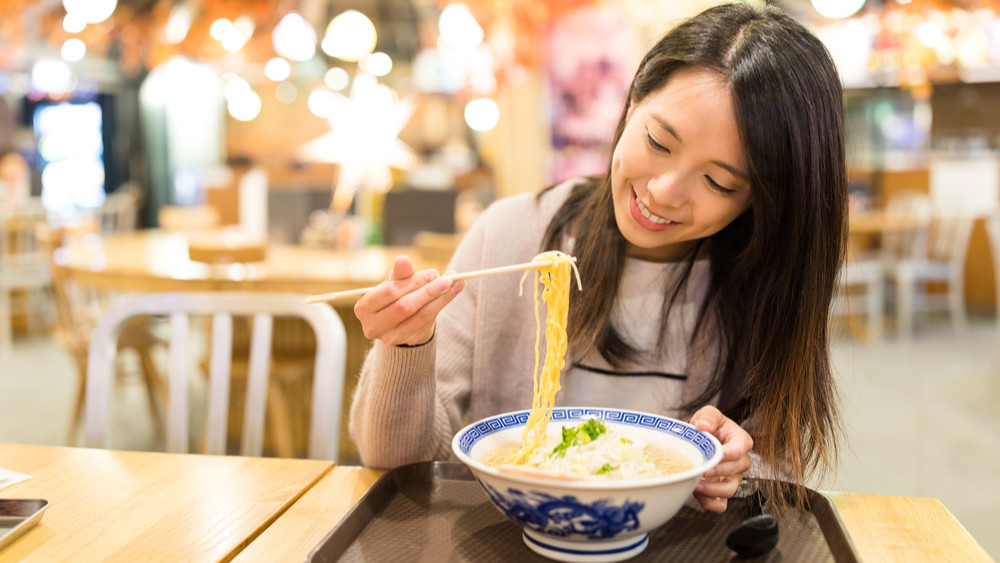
x,y
678,173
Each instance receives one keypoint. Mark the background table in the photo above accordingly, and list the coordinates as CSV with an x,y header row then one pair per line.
x,y
878,222
155,260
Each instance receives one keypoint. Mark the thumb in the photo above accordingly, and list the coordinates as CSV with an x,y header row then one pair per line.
x,y
402,268
707,419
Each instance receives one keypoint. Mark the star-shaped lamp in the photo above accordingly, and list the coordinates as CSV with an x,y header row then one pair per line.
x,y
364,139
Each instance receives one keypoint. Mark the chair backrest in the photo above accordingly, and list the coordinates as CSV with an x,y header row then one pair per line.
x,y
328,376
961,189
75,309
120,209
949,234
23,263
972,183
908,205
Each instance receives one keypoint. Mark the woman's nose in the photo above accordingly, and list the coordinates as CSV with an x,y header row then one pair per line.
x,y
669,189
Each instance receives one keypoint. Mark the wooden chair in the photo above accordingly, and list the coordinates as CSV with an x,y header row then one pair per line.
x,y
960,190
907,244
120,209
76,314
222,307
23,266
861,286
941,259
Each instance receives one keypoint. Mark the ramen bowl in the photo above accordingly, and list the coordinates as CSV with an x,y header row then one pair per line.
x,y
592,520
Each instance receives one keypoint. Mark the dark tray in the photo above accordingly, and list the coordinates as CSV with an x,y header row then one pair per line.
x,y
436,511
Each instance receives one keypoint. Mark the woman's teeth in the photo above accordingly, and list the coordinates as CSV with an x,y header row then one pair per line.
x,y
645,213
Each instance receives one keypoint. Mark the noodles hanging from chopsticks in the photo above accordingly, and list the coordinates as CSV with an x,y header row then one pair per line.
x,y
555,280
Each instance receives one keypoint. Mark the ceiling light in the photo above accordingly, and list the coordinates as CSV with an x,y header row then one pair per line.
x,y
837,9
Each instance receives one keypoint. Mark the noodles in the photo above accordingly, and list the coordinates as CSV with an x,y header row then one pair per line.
x,y
555,280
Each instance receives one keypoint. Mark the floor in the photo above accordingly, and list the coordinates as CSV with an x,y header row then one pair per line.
x,y
921,417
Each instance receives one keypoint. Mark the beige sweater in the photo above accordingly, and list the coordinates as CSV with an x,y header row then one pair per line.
x,y
410,402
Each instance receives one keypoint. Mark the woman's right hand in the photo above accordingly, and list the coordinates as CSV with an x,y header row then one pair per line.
x,y
402,309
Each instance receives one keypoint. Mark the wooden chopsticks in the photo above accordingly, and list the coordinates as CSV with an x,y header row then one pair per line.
x,y
338,295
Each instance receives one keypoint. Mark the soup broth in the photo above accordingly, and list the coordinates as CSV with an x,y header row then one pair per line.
x,y
609,455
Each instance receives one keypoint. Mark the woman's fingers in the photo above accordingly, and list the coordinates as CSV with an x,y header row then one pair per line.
x,y
730,466
735,455
403,308
402,280
418,327
402,268
721,483
724,486
714,493
712,504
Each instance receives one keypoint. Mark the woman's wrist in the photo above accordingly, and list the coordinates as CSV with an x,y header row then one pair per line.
x,y
419,343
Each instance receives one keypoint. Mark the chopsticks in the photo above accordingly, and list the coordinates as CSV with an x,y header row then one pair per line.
x,y
338,295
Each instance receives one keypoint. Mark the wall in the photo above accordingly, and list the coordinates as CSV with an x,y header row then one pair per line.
x,y
966,107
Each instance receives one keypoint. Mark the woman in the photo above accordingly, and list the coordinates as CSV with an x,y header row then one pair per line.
x,y
708,253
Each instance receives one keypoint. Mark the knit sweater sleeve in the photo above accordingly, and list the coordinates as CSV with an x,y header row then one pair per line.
x,y
410,400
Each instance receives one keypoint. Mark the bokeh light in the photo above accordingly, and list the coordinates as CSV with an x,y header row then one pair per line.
x,y
482,114
458,27
336,78
277,69
350,36
294,38
377,63
73,49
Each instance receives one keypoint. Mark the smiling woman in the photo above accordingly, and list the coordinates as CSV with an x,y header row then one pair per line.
x,y
708,252
733,134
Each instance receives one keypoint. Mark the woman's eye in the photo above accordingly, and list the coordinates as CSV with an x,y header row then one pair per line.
x,y
656,146
721,189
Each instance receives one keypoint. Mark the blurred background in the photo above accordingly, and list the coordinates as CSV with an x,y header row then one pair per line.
x,y
342,127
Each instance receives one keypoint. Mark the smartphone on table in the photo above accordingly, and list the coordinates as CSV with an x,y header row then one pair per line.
x,y
17,515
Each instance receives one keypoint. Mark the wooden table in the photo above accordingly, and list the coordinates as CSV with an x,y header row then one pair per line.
x,y
877,222
154,260
135,506
138,506
866,229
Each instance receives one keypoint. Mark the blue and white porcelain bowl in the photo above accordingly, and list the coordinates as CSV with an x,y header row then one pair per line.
x,y
589,520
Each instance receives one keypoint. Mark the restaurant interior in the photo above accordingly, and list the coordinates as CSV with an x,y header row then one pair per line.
x,y
200,147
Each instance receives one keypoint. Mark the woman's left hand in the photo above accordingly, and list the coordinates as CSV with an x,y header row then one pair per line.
x,y
719,485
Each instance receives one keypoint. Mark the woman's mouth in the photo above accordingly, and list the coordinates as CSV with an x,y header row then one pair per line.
x,y
645,217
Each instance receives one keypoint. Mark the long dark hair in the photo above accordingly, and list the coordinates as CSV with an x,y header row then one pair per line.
x,y
773,269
